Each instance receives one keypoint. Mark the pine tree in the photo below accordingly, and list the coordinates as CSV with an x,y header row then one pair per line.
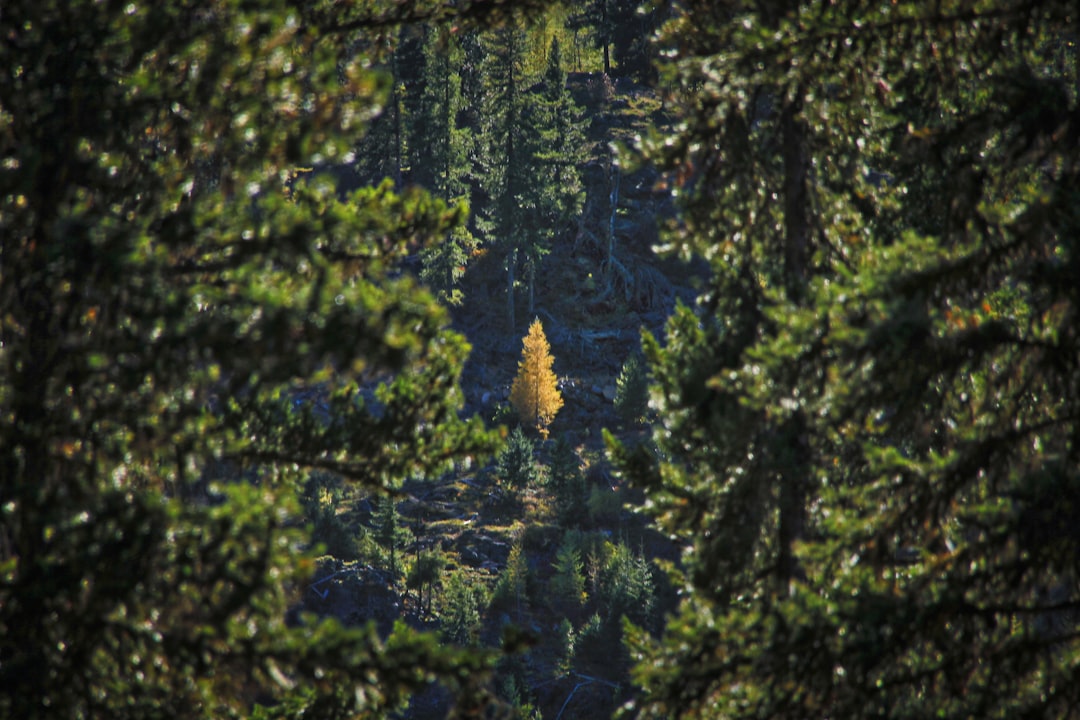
x,y
568,580
384,151
554,151
621,29
424,574
166,316
444,264
511,589
866,418
632,390
534,393
460,606
516,464
567,483
438,157
391,535
500,160
596,17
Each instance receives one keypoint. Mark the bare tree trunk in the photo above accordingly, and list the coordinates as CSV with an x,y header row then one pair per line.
x,y
614,200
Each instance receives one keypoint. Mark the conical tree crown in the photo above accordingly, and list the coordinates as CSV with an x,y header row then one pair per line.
x,y
535,394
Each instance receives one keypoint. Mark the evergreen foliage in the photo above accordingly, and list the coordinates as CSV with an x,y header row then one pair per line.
x,y
566,640
554,152
166,314
627,589
321,498
511,588
516,463
461,603
500,161
567,483
438,149
621,590
865,416
424,574
622,30
535,392
391,535
568,581
385,151
444,264
865,440
632,390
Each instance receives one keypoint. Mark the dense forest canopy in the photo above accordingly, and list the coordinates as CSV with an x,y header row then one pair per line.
x,y
246,249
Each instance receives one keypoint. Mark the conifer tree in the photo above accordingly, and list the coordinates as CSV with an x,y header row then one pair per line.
x,y
553,154
621,29
869,411
512,586
500,161
162,305
516,464
568,580
567,483
384,151
424,574
438,157
438,151
391,535
461,603
534,393
594,17
632,390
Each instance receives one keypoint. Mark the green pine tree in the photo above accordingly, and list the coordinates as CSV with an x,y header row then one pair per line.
x,y
424,574
461,604
567,484
511,587
437,143
865,422
554,152
391,535
632,390
568,581
516,464
500,159
621,30
438,149
180,341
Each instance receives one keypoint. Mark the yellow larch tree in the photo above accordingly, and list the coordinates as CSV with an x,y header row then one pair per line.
x,y
535,393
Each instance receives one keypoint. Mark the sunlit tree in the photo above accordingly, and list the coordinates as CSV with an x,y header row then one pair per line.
x,y
535,391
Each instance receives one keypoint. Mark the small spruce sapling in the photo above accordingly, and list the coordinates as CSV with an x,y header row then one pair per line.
x,y
460,604
567,484
391,535
516,465
632,391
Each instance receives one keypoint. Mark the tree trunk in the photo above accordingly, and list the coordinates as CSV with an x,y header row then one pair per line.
x,y
511,261
794,483
531,279
614,200
796,205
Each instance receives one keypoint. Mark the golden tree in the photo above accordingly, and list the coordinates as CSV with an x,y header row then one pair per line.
x,y
535,394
